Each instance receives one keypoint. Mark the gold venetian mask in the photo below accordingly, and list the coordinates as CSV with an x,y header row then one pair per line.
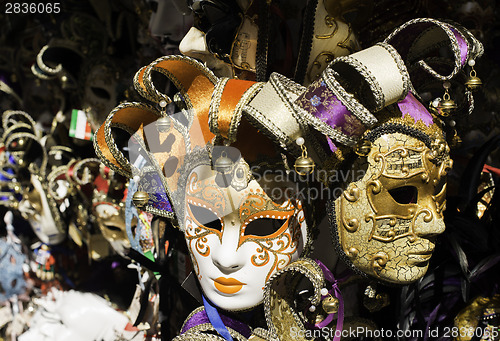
x,y
111,222
387,221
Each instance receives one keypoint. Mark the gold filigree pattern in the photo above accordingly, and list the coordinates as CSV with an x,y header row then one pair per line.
x,y
205,193
282,247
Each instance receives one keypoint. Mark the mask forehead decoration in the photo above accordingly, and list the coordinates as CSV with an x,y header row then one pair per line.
x,y
235,38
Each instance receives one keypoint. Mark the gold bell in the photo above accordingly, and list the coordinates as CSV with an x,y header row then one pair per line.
x,y
304,164
318,319
140,199
330,305
446,106
163,124
223,164
473,82
363,147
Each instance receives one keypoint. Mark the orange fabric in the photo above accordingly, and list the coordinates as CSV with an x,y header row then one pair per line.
x,y
134,118
103,147
198,87
233,91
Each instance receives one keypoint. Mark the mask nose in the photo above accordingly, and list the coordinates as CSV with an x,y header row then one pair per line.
x,y
428,223
227,257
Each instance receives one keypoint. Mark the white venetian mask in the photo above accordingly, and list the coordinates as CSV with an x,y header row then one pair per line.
x,y
238,238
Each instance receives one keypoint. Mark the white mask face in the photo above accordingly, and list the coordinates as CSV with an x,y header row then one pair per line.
x,y
238,238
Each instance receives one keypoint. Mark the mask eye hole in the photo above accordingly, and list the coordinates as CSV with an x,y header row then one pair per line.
x,y
206,217
405,194
264,227
113,228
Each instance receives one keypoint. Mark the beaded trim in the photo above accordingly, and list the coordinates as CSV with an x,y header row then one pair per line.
x,y
351,103
113,148
14,136
37,72
197,332
332,222
452,40
375,87
213,111
80,164
246,98
53,175
157,95
48,70
7,118
18,126
307,268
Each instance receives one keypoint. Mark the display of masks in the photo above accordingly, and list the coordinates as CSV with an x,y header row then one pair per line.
x,y
297,173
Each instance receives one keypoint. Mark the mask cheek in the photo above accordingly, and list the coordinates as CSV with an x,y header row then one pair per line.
x,y
200,246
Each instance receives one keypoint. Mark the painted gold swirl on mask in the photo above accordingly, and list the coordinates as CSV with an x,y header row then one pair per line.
x,y
206,192
281,245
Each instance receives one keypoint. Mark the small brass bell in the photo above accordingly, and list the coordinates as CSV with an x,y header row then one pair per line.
x,y
163,124
446,107
319,319
140,199
223,164
473,82
330,305
363,147
304,164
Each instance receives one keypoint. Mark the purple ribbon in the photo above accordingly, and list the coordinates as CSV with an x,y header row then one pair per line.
x,y
463,46
338,294
201,317
324,105
412,107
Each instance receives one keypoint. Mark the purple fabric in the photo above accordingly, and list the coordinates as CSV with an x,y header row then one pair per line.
x,y
201,318
412,107
158,198
335,289
332,145
323,104
462,43
160,201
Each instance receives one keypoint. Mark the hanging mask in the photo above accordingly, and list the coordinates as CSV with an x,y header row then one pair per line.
x,y
11,264
111,222
387,221
100,95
